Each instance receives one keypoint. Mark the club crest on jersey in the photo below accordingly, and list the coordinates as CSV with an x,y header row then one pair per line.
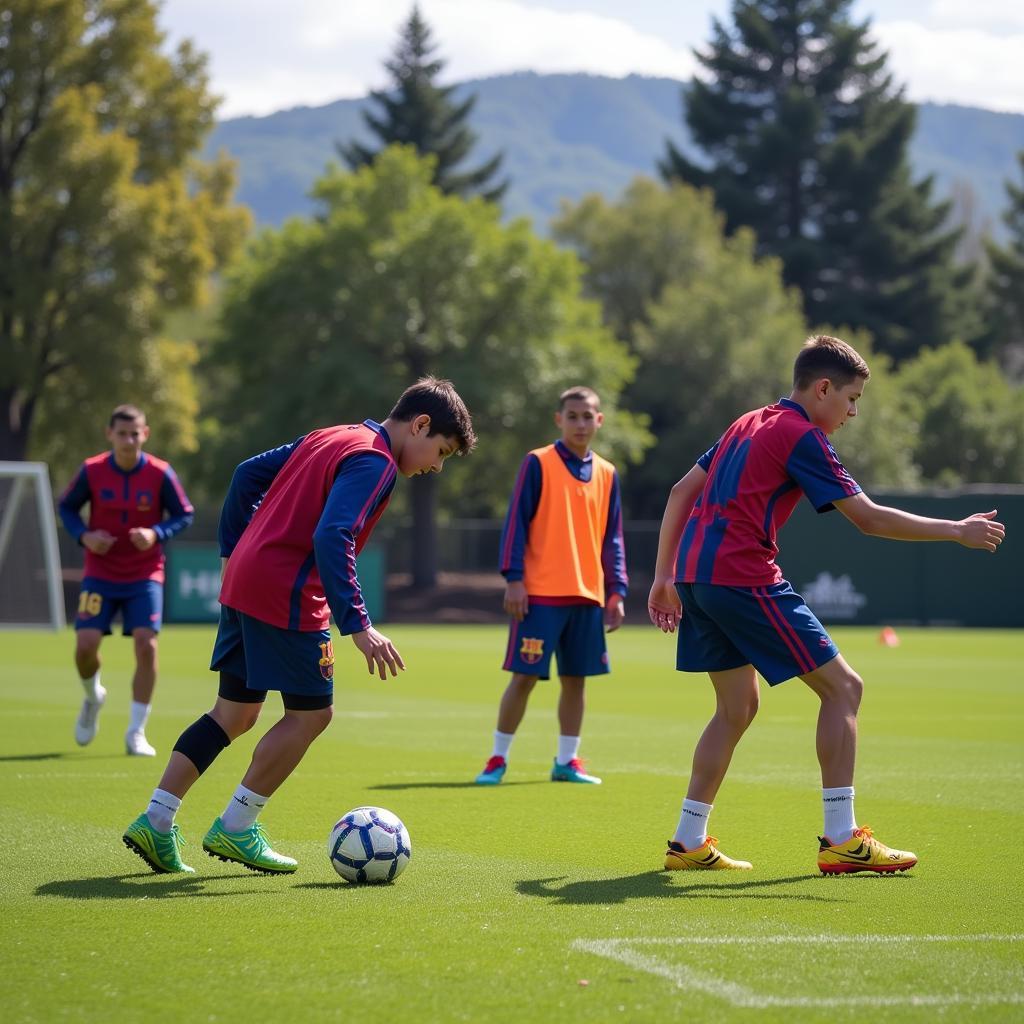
x,y
143,501
531,649
327,660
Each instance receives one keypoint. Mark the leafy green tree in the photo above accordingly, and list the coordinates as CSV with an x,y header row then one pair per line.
x,y
969,418
329,319
105,220
420,113
1004,334
805,141
714,329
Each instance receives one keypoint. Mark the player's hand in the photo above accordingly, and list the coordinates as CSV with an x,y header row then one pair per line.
x,y
99,542
517,604
142,537
982,531
380,653
614,612
663,605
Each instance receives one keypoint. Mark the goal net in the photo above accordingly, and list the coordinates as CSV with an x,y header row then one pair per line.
x,y
31,592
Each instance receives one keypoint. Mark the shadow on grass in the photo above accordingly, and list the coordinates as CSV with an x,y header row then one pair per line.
x,y
454,785
55,756
663,884
145,885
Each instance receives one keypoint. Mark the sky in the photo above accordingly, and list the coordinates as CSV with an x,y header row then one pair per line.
x,y
268,55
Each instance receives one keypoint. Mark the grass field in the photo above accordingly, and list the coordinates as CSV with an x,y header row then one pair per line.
x,y
530,902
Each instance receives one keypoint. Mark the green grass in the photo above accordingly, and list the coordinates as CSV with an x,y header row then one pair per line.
x,y
531,901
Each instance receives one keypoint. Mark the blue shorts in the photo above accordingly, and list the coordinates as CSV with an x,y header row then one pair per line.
x,y
770,628
141,605
270,658
575,632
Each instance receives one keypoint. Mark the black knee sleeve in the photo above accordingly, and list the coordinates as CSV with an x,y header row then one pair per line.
x,y
201,742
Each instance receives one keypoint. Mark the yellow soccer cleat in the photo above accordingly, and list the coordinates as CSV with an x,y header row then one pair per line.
x,y
861,852
705,858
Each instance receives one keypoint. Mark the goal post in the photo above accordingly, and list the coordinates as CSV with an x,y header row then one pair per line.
x,y
31,588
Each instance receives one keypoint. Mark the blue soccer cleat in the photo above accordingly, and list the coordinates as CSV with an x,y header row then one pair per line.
x,y
493,773
572,772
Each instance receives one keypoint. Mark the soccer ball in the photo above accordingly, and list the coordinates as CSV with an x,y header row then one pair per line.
x,y
369,844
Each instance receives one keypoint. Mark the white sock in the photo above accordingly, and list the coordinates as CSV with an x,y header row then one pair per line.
x,y
502,741
693,824
163,806
568,748
92,686
138,716
242,810
839,819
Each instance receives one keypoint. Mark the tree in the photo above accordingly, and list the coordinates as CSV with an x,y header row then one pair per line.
x,y
969,418
105,220
713,327
328,320
420,113
1004,337
806,141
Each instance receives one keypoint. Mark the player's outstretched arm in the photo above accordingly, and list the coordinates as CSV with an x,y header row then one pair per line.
x,y
663,605
380,653
979,531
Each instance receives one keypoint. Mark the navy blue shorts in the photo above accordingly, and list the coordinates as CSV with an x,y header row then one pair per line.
x,y
141,605
575,632
270,658
770,628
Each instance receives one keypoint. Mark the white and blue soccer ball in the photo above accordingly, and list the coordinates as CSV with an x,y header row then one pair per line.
x,y
369,844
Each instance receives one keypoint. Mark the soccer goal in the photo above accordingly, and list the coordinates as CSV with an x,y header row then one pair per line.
x,y
31,592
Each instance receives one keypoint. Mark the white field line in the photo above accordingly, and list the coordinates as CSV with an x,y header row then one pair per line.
x,y
624,951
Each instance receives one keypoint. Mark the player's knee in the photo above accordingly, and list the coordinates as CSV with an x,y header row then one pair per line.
x,y
202,741
853,689
740,713
313,720
145,649
87,643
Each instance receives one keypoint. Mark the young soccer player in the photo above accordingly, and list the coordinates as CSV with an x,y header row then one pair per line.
x,y
737,616
564,563
135,505
292,524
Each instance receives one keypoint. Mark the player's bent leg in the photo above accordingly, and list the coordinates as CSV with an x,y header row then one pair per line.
x,y
87,646
839,689
862,852
160,850
704,858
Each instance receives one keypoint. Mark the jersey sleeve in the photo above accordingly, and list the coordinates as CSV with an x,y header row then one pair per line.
x,y
363,482
522,507
816,468
705,460
69,508
613,548
175,502
249,485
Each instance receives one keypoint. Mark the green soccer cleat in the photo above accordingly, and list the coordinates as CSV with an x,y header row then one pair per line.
x,y
250,848
160,850
572,772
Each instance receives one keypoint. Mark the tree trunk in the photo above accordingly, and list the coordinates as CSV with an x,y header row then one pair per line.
x,y
424,531
15,419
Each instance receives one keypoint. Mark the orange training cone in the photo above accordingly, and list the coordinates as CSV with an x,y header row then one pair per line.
x,y
888,637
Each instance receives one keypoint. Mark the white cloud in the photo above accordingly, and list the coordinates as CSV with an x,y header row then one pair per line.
x,y
966,65
1002,16
266,55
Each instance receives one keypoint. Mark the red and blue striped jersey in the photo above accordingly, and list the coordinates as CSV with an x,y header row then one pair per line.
x,y
293,522
757,472
119,500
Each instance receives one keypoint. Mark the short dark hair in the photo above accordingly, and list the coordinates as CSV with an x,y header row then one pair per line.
x,y
578,393
825,356
439,400
127,412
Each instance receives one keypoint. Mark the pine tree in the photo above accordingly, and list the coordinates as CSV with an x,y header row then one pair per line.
x,y
1004,337
806,140
420,113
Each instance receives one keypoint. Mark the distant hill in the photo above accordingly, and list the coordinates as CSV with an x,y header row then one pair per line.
x,y
566,135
